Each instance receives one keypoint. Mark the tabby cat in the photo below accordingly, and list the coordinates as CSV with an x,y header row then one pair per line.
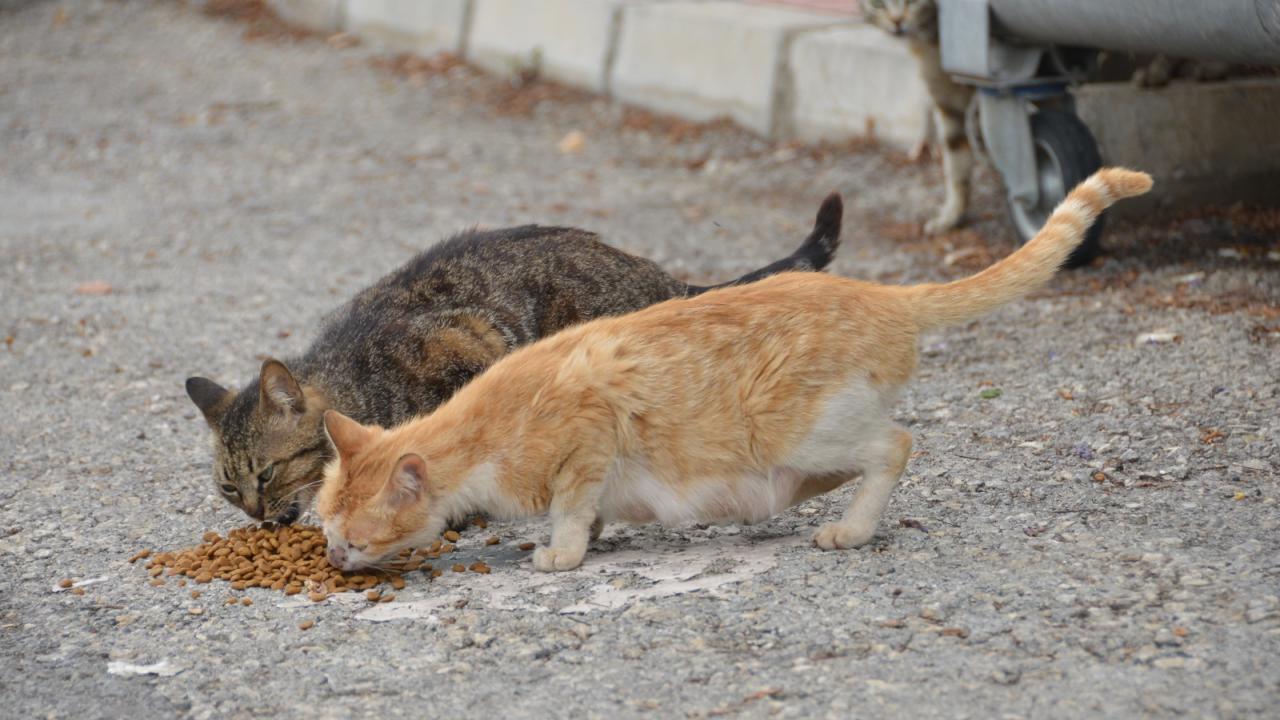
x,y
728,406
404,345
917,21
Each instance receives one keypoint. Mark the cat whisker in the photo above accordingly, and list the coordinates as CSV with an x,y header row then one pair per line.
x,y
300,488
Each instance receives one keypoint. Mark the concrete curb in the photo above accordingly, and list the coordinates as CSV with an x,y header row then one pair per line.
x,y
700,59
795,74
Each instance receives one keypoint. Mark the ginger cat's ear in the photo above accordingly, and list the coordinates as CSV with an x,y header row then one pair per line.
x,y
210,397
345,435
278,390
408,480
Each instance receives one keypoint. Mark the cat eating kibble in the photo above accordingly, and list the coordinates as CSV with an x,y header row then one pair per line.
x,y
732,405
403,346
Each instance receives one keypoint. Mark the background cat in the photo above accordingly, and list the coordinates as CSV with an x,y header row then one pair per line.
x,y
405,344
917,22
729,406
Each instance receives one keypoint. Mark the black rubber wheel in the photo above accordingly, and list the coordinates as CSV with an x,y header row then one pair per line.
x,y
1066,154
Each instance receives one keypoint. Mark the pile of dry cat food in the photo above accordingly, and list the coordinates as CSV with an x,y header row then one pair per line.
x,y
290,559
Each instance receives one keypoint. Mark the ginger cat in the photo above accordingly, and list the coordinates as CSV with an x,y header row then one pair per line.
x,y
731,405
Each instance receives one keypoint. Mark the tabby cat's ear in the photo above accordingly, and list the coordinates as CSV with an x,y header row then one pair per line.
x,y
278,390
408,481
210,397
345,435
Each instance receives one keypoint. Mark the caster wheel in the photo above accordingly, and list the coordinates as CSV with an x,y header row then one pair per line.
x,y
1066,154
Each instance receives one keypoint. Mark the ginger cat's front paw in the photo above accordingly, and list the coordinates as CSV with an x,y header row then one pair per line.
x,y
550,559
841,536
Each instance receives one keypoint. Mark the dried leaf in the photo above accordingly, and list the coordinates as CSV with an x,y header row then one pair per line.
x,y
572,143
94,287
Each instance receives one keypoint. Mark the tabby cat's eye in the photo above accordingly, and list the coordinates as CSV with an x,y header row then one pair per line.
x,y
229,490
266,475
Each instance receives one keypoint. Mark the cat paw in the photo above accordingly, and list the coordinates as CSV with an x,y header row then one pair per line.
x,y
945,222
841,536
550,559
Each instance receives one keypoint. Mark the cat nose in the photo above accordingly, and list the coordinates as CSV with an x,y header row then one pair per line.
x,y
337,556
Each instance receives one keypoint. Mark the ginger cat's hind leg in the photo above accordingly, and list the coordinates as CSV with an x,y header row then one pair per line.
x,y
883,463
816,485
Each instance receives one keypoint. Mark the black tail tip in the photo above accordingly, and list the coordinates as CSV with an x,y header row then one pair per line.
x,y
826,226
832,206
830,214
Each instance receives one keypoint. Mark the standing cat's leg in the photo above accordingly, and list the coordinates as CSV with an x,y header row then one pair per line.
x,y
957,164
886,459
921,149
575,504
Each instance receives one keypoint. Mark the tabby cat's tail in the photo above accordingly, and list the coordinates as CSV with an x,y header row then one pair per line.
x,y
939,305
815,253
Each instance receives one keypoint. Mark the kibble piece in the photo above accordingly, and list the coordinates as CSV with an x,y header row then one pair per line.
x,y
157,582
480,522
318,596
204,577
65,583
210,537
231,601
492,540
195,594
387,598
480,567
77,591
372,595
527,546
397,582
306,624
459,567
246,602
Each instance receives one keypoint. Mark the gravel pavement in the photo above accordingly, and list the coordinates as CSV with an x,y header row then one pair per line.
x,y
1089,527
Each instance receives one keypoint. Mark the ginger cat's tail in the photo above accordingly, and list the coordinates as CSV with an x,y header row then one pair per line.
x,y
1034,264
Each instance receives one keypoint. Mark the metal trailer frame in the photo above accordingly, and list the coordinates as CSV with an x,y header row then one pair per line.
x,y
1023,56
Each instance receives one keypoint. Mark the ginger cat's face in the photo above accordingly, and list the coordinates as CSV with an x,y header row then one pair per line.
x,y
372,504
901,17
269,447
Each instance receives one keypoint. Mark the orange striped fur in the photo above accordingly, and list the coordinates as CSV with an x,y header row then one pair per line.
x,y
728,406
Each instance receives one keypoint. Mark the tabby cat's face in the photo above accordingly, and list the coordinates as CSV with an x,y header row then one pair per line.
x,y
269,443
902,17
